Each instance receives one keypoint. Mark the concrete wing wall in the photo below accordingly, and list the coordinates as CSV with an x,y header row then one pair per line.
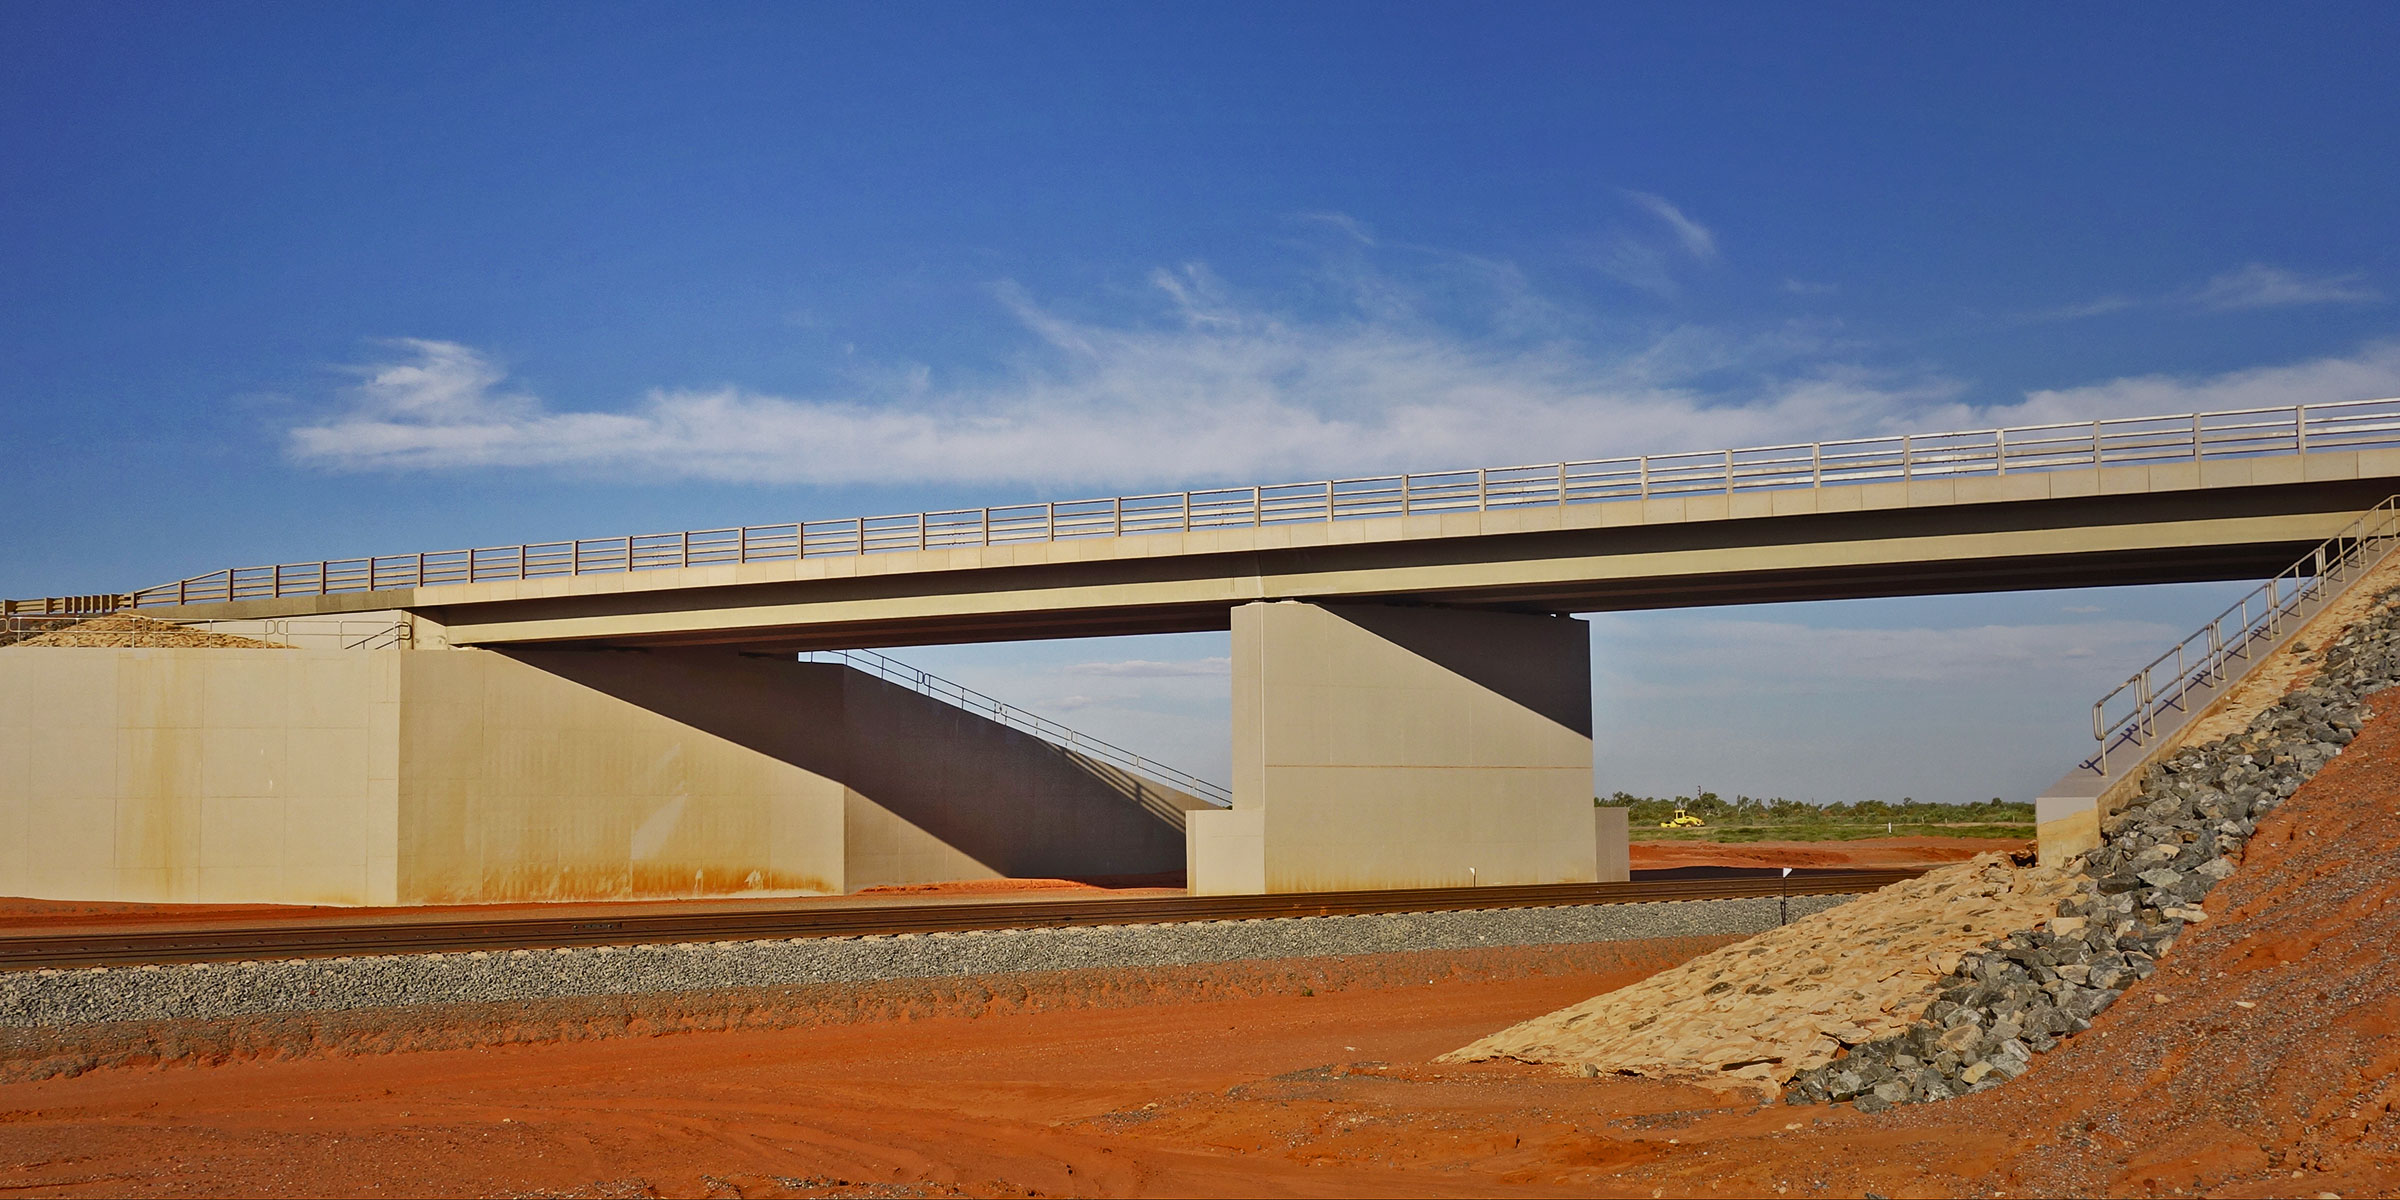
x,y
930,791
547,777
198,775
455,776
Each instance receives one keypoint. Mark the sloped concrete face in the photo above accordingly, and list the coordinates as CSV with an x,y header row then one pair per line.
x,y
518,782
929,791
403,777
1391,747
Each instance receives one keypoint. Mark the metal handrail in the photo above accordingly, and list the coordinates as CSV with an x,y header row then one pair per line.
x,y
1898,458
2205,659
893,670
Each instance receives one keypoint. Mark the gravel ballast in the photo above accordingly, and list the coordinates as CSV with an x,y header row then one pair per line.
x,y
207,991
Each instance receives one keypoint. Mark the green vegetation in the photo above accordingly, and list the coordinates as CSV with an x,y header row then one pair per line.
x,y
1751,819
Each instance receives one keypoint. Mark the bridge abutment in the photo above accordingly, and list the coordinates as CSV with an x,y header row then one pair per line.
x,y
456,776
1381,746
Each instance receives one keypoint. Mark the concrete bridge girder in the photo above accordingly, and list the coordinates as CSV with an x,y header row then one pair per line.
x,y
2052,529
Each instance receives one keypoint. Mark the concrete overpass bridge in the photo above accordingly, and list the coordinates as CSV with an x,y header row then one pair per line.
x,y
1411,705
2140,500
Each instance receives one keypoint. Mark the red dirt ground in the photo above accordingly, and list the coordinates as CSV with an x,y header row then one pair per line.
x,y
2263,1059
1864,854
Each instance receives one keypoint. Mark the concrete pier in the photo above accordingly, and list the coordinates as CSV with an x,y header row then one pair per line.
x,y
1381,746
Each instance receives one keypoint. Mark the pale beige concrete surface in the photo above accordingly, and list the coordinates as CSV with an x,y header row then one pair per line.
x,y
1397,747
1614,846
382,777
2064,828
194,775
1225,852
1061,599
522,784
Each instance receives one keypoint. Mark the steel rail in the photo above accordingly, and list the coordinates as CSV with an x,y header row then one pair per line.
x,y
104,946
2283,430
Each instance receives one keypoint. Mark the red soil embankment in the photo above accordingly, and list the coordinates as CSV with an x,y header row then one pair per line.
x,y
1866,854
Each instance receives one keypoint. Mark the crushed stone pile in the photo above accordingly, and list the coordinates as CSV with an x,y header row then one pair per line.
x,y
1904,997
1754,1014
2159,858
125,630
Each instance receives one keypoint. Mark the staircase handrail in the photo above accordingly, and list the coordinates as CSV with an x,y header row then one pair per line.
x,y
916,679
2205,658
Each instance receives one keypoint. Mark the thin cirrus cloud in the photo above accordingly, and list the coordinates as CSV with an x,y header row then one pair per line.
x,y
2261,286
1208,388
1141,668
1639,258
1213,387
1697,240
2255,286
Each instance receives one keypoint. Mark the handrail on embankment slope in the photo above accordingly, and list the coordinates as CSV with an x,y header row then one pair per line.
x,y
1897,458
958,694
2237,640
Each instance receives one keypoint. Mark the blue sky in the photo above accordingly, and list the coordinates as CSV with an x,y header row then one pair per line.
x,y
290,281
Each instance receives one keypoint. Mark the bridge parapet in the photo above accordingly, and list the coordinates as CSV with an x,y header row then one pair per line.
x,y
1908,458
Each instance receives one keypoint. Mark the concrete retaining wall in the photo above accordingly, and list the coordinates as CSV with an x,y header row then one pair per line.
x,y
444,776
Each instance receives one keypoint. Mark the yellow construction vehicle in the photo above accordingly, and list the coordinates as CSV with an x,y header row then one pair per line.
x,y
1683,820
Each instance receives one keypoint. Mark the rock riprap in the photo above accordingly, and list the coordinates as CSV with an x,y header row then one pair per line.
x,y
2159,857
1791,999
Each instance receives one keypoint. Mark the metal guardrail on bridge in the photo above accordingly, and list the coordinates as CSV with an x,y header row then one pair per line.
x,y
2128,441
2201,664
962,696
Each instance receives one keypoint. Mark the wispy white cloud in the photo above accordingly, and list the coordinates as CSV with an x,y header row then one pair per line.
x,y
1695,237
2083,310
2259,285
1141,668
1455,361
2372,372
1640,258
1212,388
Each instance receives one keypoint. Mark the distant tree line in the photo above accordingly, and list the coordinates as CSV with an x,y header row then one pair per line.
x,y
1753,810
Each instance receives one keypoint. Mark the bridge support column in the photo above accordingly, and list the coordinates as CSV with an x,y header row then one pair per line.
x,y
1388,747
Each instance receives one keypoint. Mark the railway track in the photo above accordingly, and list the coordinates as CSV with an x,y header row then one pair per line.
x,y
103,946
